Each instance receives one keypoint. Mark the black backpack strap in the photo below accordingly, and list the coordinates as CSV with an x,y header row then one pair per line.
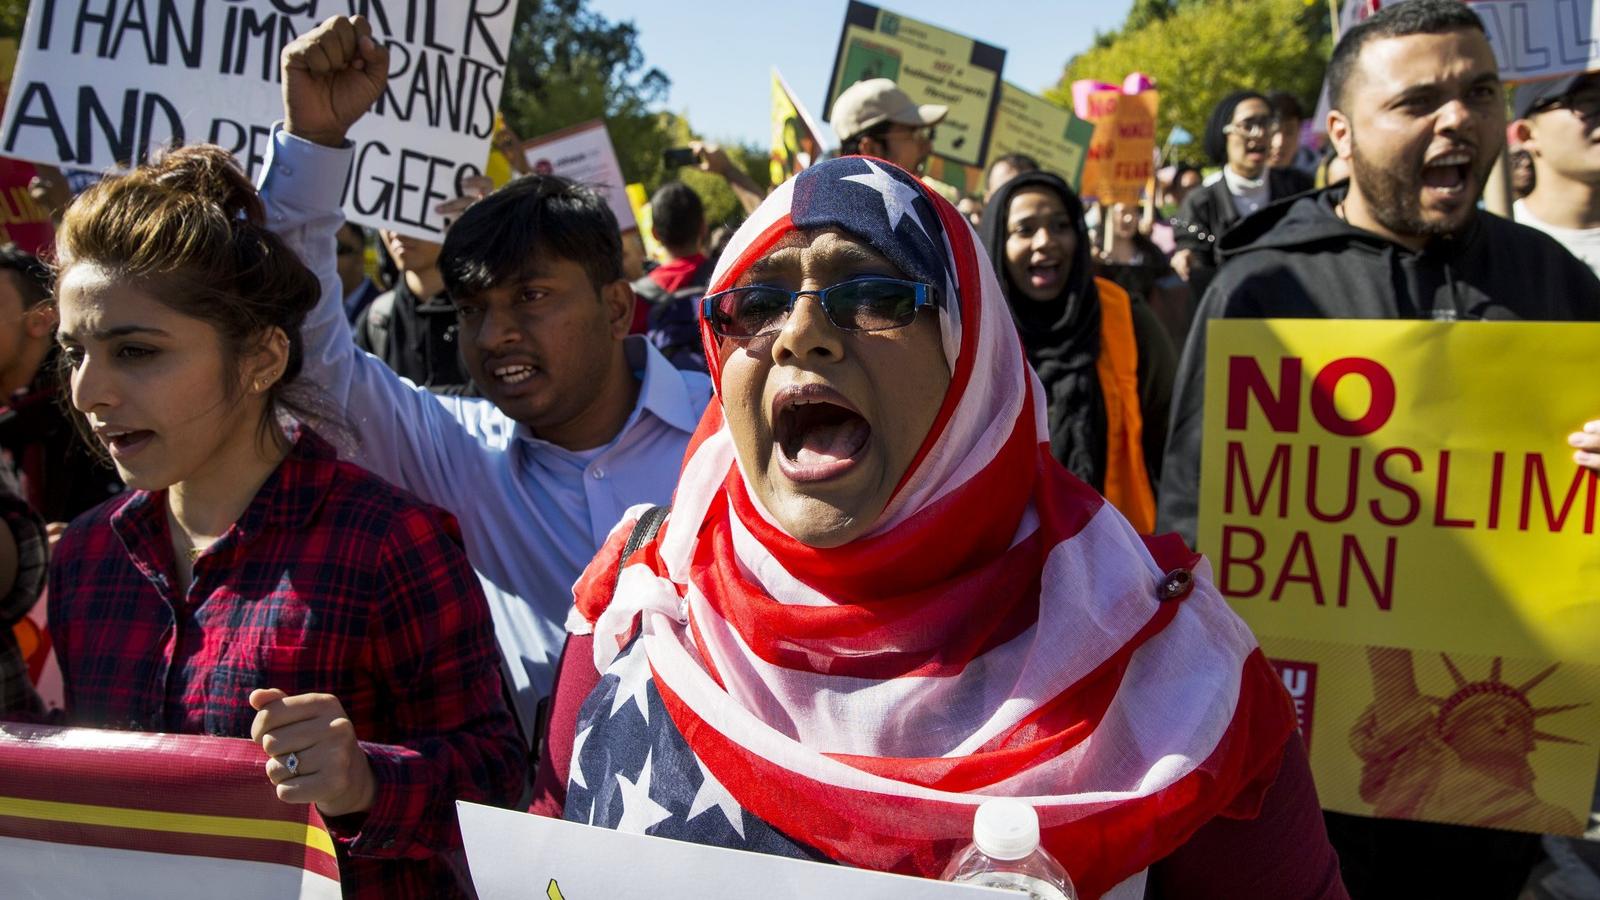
x,y
644,530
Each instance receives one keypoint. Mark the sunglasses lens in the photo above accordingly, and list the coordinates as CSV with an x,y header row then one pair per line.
x,y
872,305
748,312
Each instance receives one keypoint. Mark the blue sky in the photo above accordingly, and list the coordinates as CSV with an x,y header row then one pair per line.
x,y
718,52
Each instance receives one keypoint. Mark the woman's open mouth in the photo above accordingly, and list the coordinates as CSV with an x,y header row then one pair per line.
x,y
124,443
818,434
1044,274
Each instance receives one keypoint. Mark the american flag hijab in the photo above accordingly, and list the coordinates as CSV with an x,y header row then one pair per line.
x,y
1002,630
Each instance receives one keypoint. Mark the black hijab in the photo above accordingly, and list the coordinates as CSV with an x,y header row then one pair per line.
x,y
1061,336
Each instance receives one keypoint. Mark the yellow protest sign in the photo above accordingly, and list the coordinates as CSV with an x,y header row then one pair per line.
x,y
8,62
1393,509
1122,153
639,202
504,155
796,139
1051,134
930,64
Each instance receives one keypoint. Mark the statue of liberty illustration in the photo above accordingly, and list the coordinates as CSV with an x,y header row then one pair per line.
x,y
1461,758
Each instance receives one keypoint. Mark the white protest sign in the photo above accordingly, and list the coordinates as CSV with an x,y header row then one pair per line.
x,y
583,153
515,855
1536,39
1532,39
103,83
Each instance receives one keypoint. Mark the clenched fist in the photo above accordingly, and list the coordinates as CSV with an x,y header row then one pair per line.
x,y
332,75
330,769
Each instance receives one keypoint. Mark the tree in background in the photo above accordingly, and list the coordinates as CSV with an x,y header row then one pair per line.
x,y
569,64
1199,50
12,15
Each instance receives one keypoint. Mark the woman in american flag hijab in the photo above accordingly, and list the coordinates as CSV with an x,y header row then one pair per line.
x,y
878,601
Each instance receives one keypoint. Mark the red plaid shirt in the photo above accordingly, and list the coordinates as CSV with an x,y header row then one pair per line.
x,y
332,581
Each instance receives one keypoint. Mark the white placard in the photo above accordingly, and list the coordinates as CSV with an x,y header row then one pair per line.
x,y
1541,38
102,83
1532,39
583,153
515,855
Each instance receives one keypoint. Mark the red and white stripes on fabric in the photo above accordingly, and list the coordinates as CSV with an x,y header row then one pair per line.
x,y
998,633
92,813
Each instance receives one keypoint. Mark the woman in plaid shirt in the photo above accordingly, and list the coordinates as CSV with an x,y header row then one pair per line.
x,y
251,584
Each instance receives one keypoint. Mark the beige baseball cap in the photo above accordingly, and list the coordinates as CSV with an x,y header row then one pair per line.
x,y
867,103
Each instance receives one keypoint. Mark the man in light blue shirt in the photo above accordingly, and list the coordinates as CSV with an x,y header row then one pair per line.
x,y
578,421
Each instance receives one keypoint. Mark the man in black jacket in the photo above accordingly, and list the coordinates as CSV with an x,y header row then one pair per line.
x,y
1419,113
1239,137
412,327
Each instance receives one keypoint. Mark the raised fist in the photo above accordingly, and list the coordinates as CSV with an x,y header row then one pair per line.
x,y
331,76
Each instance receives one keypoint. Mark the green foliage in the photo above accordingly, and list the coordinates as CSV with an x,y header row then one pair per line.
x,y
12,14
1145,12
1199,50
722,204
569,64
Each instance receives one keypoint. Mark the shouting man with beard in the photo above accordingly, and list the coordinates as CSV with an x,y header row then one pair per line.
x,y
1418,112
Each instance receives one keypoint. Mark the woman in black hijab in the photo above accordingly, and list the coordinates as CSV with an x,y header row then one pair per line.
x,y
1106,364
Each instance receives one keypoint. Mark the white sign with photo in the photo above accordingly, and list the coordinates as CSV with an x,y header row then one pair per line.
x,y
583,153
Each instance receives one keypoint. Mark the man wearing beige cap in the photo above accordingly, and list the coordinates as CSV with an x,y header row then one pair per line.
x,y
875,118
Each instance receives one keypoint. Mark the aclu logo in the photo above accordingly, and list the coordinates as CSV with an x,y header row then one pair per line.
x,y
1300,678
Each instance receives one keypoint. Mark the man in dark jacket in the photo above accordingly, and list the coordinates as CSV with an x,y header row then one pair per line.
x,y
1239,137
413,327
1419,112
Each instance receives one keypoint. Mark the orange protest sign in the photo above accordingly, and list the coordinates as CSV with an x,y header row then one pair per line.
x,y
1122,152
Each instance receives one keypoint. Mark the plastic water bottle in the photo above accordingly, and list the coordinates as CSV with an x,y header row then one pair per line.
x,y
1005,853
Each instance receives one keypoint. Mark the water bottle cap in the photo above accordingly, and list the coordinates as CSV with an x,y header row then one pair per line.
x,y
1005,828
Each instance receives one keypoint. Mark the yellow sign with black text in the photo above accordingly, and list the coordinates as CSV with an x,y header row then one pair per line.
x,y
797,141
1051,134
930,64
1393,508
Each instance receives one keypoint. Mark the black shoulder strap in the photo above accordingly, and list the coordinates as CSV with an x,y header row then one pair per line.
x,y
644,530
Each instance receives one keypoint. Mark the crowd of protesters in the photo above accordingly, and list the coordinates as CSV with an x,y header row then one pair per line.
x,y
492,519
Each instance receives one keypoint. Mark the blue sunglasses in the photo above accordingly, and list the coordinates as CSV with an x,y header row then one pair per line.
x,y
863,304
